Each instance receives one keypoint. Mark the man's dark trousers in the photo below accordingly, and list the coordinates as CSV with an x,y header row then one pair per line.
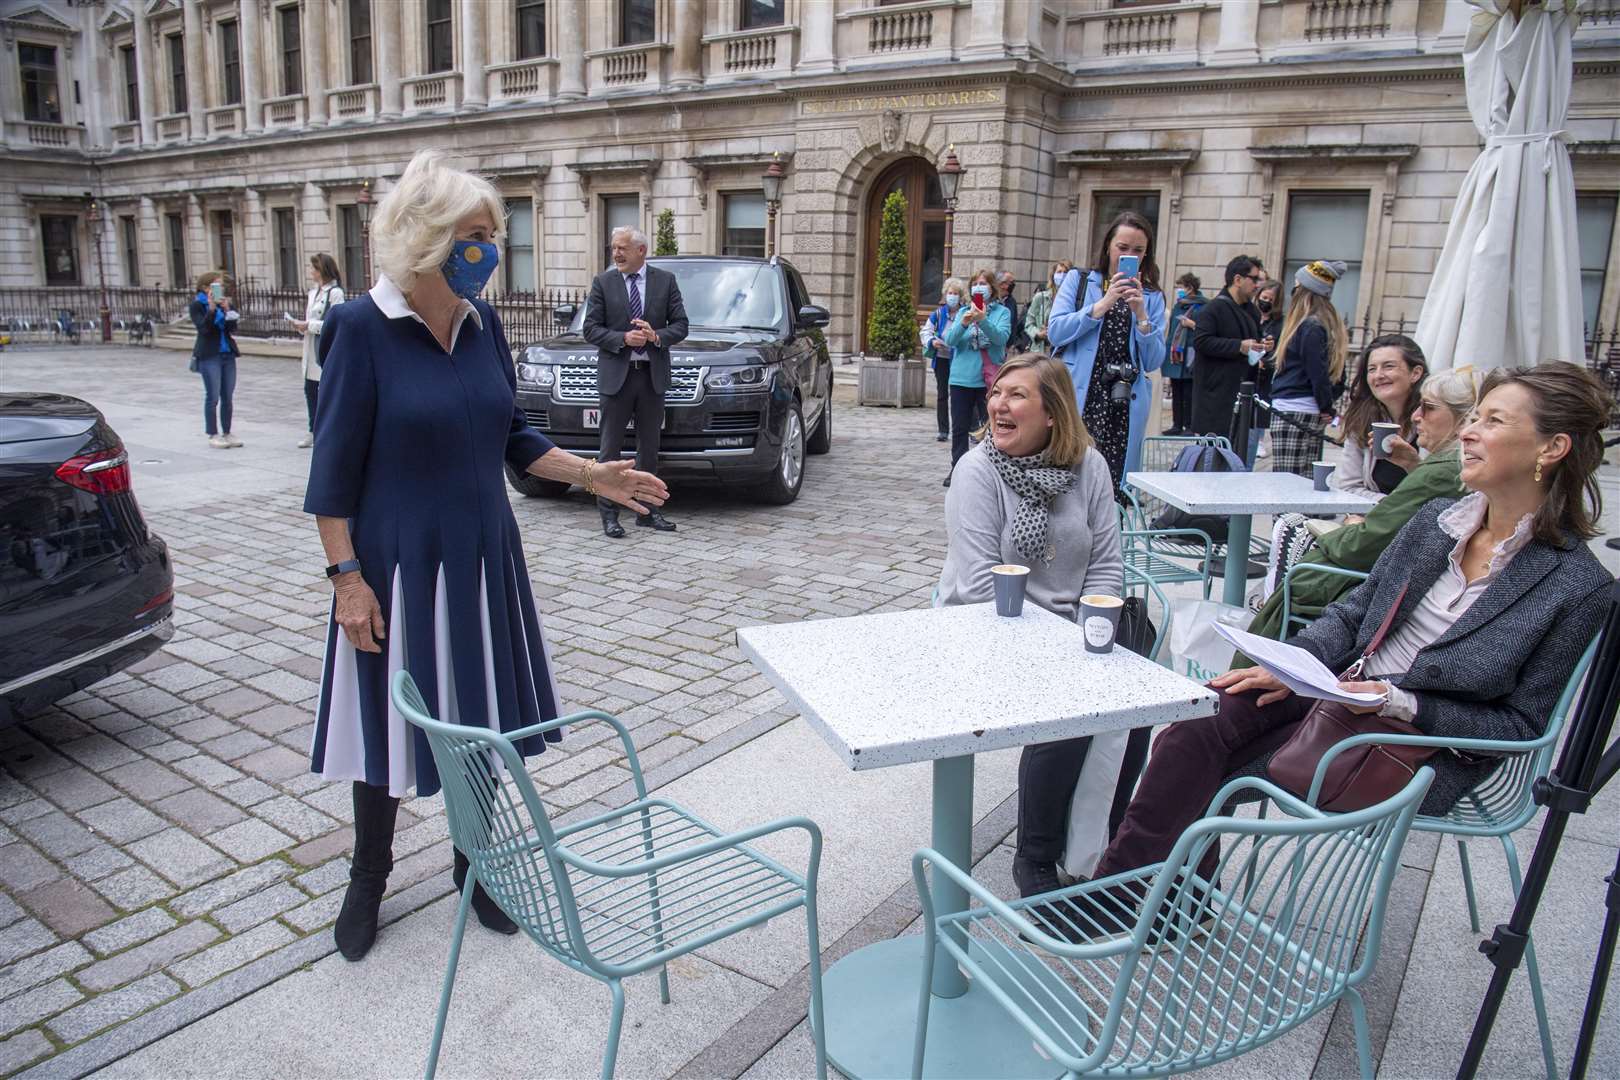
x,y
636,399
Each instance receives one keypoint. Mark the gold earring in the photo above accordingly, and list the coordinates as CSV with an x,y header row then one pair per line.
x,y
1538,472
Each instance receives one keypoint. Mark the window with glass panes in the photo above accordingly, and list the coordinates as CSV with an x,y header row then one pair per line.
x,y
225,240
744,229
177,72
175,227
1328,225
441,42
637,21
285,225
359,42
519,257
230,63
132,83
618,212
757,14
353,249
130,234
59,234
1594,222
292,51
1108,205
42,94
531,29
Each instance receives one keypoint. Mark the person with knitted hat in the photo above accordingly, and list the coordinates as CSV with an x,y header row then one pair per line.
x,y
1310,365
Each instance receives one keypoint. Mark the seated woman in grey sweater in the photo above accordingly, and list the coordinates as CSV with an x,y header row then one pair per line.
x,y
1037,493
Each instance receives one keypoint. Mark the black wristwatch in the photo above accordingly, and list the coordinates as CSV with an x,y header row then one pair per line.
x,y
342,568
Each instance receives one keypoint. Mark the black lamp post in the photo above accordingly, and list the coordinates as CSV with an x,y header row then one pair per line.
x,y
950,181
105,312
364,205
771,182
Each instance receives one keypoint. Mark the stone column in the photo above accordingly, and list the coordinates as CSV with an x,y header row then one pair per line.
x,y
314,57
248,26
385,25
816,28
686,72
11,116
474,35
1240,21
149,230
144,59
985,35
1454,29
196,66
571,50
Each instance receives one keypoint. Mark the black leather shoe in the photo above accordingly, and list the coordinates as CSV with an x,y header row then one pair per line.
x,y
488,911
1033,877
652,519
610,525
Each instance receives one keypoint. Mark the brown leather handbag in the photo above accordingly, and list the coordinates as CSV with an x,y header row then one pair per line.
x,y
1361,776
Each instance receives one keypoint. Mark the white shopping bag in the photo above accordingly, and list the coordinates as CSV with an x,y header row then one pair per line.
x,y
1196,650
1093,799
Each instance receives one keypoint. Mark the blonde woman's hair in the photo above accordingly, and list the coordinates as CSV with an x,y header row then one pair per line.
x,y
414,226
952,284
1304,305
1458,391
1070,439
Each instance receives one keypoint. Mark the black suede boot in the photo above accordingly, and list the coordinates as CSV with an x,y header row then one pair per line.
x,y
489,912
374,815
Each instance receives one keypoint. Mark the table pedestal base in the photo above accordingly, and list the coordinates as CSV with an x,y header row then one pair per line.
x,y
871,1008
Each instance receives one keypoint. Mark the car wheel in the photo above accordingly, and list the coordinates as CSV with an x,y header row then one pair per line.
x,y
784,483
534,486
820,440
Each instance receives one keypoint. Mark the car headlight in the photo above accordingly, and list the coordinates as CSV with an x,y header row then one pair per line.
x,y
736,380
541,375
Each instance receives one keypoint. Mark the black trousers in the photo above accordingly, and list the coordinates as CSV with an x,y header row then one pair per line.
x,y
1047,774
312,392
942,394
1181,404
967,406
636,398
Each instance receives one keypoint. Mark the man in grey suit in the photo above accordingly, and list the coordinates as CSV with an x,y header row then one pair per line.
x,y
634,317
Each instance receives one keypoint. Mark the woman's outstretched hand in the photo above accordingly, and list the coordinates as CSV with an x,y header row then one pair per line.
x,y
1246,680
629,487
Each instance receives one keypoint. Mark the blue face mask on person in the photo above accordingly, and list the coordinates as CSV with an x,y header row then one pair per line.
x,y
469,267
952,300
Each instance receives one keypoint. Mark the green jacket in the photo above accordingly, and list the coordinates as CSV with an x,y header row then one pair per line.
x,y
1035,317
1357,547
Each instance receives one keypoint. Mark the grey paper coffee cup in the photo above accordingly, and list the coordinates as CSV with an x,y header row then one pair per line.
x,y
1099,619
1010,582
1380,438
1320,471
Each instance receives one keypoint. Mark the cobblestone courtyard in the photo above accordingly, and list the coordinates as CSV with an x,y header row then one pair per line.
x,y
162,842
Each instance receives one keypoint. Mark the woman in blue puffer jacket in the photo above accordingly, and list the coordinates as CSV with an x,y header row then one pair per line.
x,y
1110,336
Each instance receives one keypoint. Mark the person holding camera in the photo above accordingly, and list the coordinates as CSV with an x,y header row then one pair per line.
x,y
213,354
1109,331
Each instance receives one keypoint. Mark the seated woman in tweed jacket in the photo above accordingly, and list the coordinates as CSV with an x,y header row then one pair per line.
x,y
1502,597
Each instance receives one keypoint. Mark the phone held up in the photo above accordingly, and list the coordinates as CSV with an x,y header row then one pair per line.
x,y
1130,265
216,291
978,302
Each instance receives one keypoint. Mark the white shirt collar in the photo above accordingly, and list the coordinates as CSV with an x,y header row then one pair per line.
x,y
1464,518
391,302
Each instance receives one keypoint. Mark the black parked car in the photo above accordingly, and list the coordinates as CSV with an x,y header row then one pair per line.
x,y
85,588
750,389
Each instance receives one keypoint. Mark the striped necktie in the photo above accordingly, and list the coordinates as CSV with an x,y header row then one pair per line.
x,y
635,297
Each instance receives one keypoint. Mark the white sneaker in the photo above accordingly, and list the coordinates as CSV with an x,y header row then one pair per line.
x,y
306,442
218,442
231,440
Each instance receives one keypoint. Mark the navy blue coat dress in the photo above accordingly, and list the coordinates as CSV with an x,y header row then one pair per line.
x,y
409,447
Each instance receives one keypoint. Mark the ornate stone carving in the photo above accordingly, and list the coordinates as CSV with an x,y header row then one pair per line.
x,y
890,129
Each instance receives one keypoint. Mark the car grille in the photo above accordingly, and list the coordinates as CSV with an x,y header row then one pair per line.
x,y
734,421
538,418
578,384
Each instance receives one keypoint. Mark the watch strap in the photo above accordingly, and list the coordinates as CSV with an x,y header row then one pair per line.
x,y
343,567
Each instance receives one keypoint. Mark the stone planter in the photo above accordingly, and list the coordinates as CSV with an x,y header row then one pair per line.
x,y
901,384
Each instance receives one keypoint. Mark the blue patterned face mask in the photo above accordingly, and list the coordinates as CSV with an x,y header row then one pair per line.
x,y
469,267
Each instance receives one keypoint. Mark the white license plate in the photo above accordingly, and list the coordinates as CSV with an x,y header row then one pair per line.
x,y
593,419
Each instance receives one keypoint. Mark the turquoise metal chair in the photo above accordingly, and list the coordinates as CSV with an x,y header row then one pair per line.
x,y
1196,973
1164,546
1500,806
614,895
1289,619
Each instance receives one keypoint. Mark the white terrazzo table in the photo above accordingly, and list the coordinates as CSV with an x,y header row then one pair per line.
x,y
1239,496
940,685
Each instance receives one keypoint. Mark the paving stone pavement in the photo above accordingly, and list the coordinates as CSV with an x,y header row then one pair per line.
x,y
162,830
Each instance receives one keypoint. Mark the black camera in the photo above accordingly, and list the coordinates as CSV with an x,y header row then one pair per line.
x,y
1121,377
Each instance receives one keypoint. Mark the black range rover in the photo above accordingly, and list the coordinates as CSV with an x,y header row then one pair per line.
x,y
750,389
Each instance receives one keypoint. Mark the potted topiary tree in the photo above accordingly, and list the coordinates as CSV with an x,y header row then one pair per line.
x,y
664,243
894,375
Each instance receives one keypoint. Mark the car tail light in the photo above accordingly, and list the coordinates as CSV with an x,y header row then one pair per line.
x,y
105,472
157,601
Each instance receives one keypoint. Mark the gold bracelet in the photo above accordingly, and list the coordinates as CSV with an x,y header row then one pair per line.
x,y
590,483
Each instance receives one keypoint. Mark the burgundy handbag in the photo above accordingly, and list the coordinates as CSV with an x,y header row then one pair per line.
x,y
1361,776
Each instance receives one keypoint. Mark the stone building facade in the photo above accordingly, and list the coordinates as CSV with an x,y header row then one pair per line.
x,y
239,133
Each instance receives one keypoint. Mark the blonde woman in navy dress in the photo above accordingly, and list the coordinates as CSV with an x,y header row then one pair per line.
x,y
416,419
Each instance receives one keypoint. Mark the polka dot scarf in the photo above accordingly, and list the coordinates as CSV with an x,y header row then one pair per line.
x,y
1036,482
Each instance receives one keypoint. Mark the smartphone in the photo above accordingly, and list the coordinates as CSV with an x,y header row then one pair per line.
x,y
217,291
978,301
1130,265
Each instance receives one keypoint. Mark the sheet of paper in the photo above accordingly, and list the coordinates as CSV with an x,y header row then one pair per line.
x,y
288,316
1295,668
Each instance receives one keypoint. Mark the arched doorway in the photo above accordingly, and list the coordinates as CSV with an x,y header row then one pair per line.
x,y
915,178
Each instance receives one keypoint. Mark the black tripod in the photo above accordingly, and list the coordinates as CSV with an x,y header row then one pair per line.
x,y
1584,766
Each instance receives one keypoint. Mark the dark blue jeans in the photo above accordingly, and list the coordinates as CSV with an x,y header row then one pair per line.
x,y
967,411
219,383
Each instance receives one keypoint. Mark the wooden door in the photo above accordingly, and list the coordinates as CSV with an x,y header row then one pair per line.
x,y
916,179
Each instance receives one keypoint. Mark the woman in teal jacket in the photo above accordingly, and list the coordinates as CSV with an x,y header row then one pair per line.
x,y
978,340
1110,337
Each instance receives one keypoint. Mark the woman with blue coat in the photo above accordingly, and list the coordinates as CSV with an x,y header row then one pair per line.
x,y
1111,339
977,337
